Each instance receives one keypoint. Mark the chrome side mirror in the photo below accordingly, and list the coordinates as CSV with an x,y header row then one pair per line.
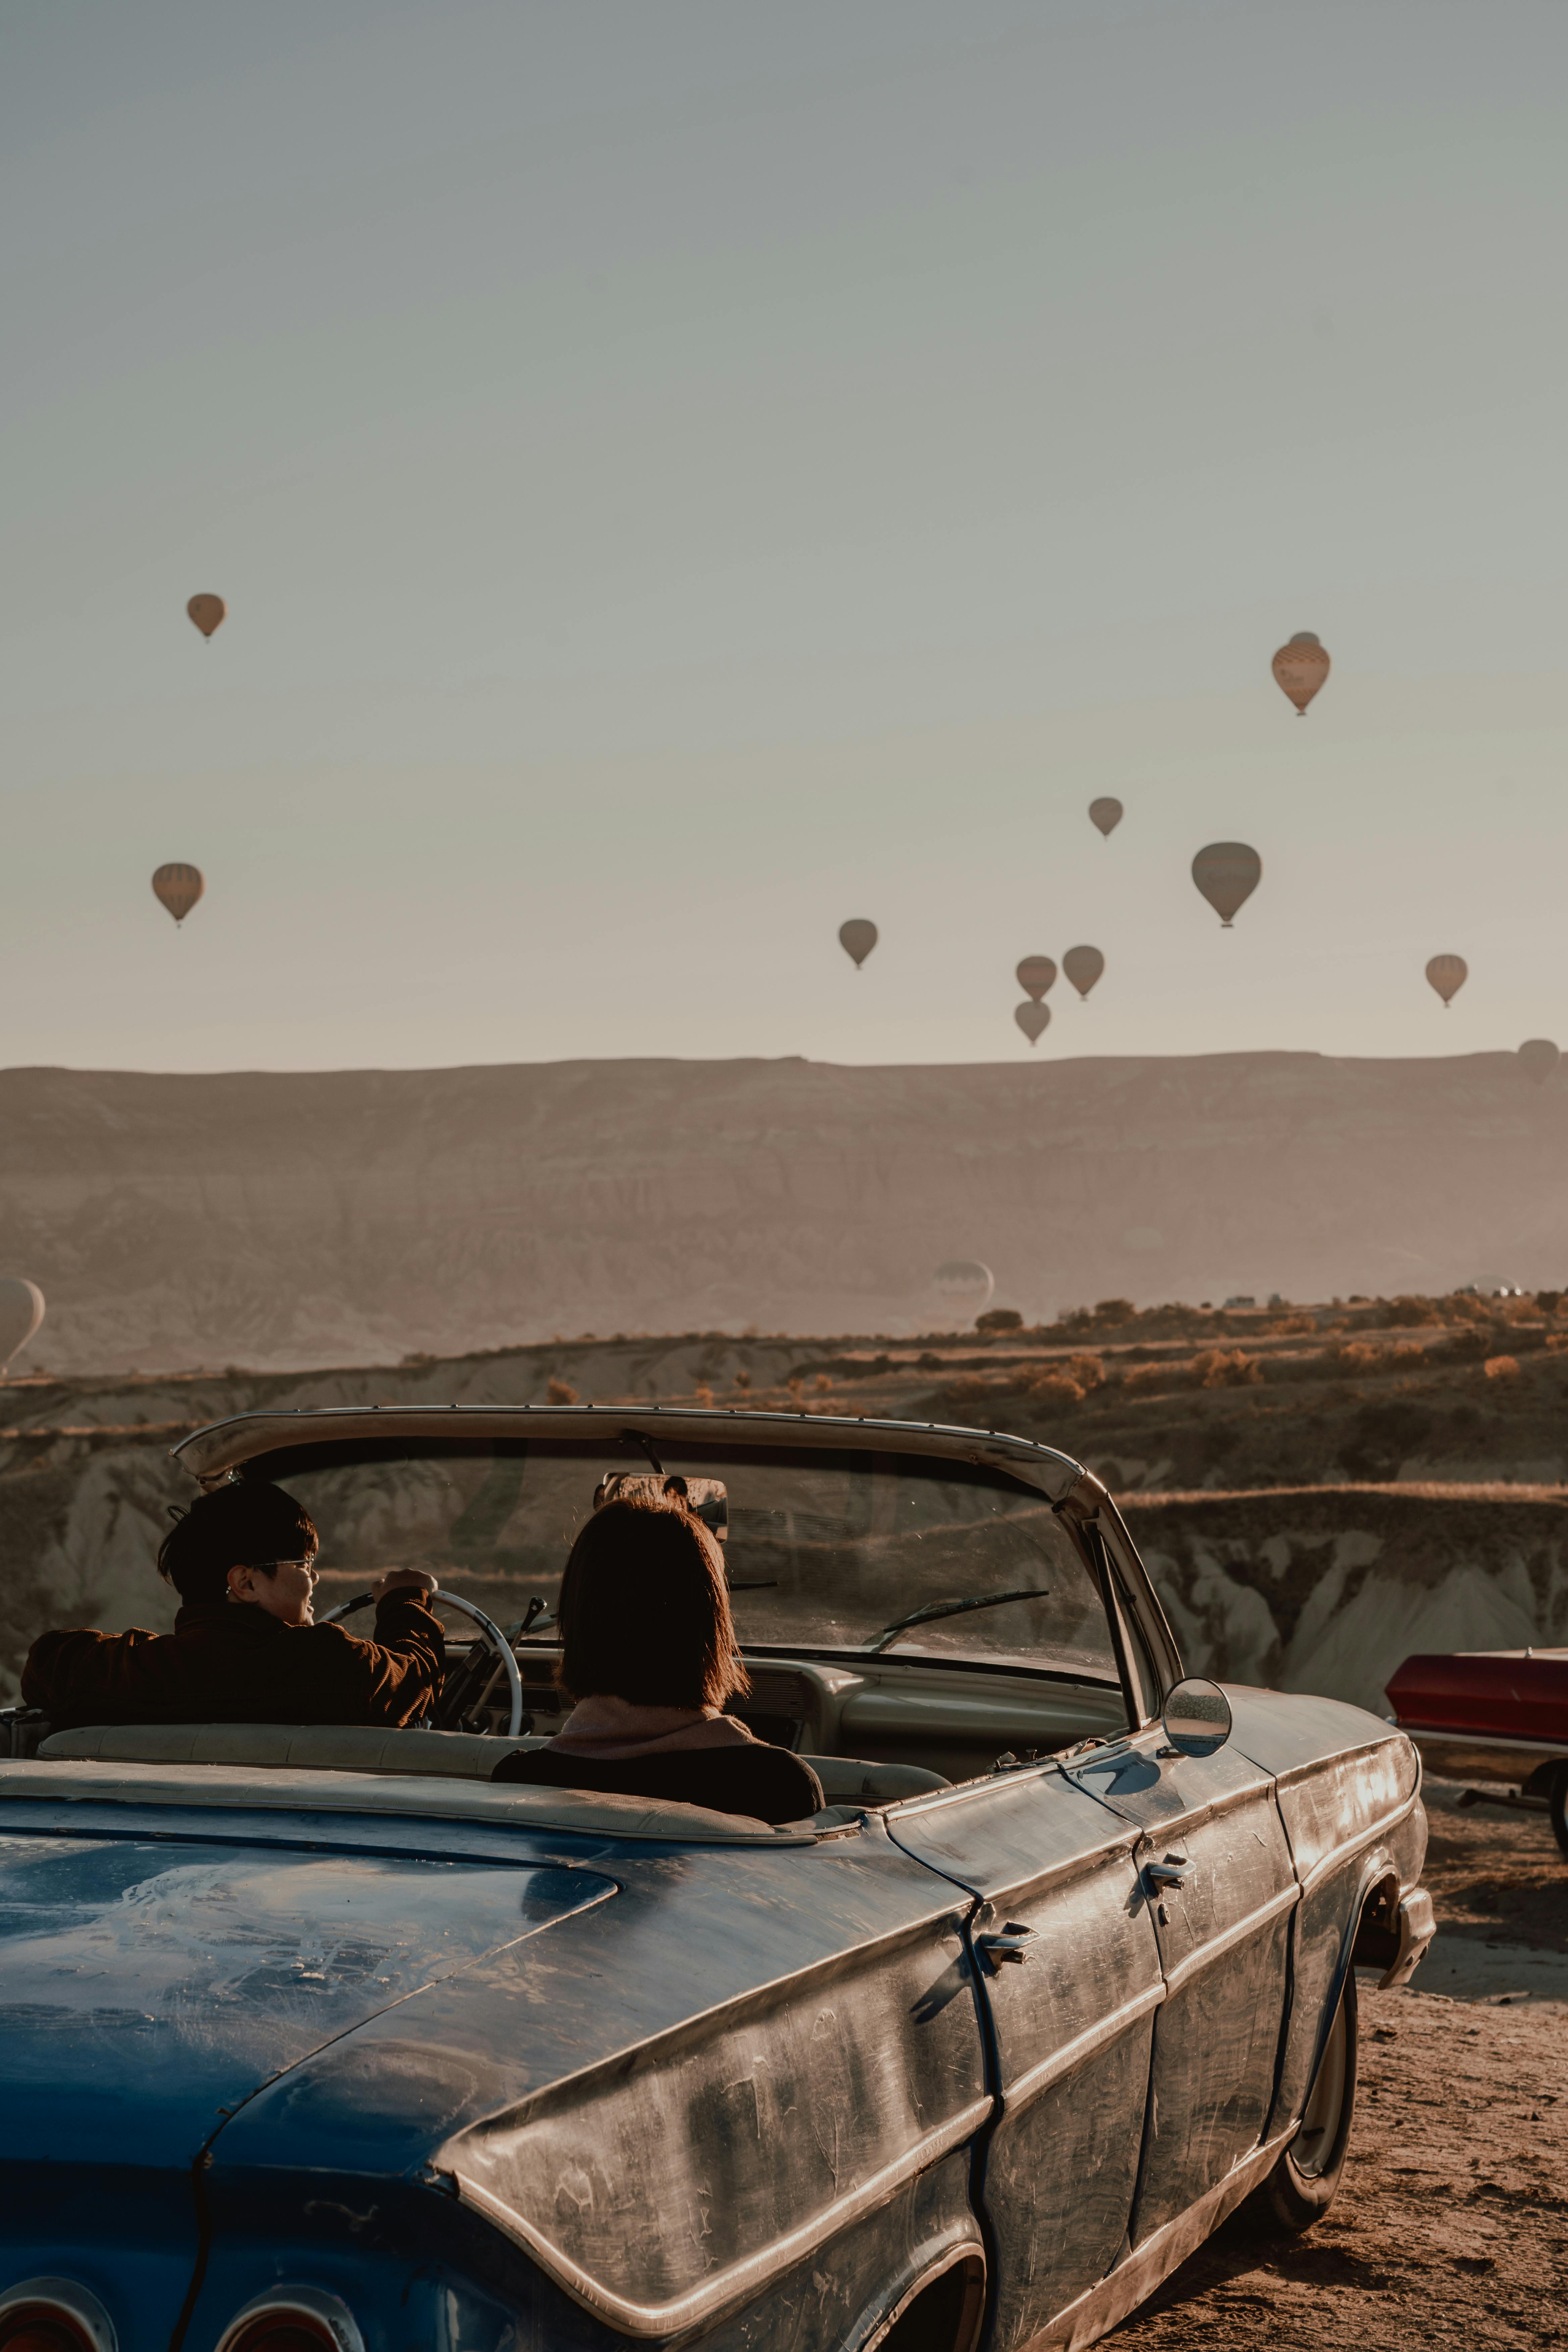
x,y
1197,1717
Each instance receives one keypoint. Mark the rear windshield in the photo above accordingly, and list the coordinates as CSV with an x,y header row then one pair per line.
x,y
853,1552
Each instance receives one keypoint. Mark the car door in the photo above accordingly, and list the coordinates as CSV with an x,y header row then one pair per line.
x,y
1070,1988
1216,1869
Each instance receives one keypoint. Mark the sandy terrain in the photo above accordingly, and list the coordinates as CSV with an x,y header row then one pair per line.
x,y
1452,2224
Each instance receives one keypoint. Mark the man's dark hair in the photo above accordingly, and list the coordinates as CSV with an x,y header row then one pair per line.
x,y
247,1524
644,1612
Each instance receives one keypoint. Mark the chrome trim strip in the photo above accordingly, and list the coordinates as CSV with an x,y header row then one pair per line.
x,y
731,2286
1217,1945
73,2302
1072,2054
1424,1735
1347,1848
1102,2308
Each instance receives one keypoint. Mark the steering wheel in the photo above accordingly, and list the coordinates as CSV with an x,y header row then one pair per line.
x,y
487,1627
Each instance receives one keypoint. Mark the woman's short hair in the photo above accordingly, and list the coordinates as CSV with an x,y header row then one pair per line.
x,y
247,1524
645,1610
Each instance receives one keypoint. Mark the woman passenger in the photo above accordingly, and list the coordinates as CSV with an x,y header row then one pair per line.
x,y
648,1656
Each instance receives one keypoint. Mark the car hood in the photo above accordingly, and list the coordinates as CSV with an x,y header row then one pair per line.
x,y
149,1987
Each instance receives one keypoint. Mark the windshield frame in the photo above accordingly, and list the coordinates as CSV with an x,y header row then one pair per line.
x,y
274,1445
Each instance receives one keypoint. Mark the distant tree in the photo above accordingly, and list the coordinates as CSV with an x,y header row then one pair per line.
x,y
999,1319
1114,1311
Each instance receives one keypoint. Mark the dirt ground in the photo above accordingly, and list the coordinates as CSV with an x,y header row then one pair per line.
x,y
1451,2226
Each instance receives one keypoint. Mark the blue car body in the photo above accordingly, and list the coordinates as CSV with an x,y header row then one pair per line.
x,y
493,2070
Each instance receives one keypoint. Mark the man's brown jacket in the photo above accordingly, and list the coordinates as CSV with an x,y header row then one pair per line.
x,y
229,1662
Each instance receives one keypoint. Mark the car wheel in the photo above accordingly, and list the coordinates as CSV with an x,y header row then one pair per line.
x,y
1305,2181
1557,1796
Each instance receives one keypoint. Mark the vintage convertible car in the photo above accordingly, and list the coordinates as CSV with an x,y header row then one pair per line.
x,y
315,2038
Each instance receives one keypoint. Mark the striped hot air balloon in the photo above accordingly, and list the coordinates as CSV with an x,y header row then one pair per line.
x,y
1447,974
178,887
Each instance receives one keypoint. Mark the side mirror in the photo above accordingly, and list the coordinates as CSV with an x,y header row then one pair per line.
x,y
1197,1717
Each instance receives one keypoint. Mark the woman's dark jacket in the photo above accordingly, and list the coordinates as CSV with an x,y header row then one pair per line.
x,y
766,1784
229,1662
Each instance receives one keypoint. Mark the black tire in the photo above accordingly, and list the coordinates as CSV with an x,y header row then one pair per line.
x,y
1306,2178
1557,1797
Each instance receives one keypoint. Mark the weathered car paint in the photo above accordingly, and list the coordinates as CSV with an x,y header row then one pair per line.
x,y
1348,1794
150,1990
1072,2024
1223,1929
672,2109
418,2268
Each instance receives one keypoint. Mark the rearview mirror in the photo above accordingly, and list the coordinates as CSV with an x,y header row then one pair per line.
x,y
706,1499
1197,1717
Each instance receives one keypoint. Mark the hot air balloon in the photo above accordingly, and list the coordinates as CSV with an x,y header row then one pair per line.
x,y
964,1282
1033,1018
858,938
1301,668
21,1312
1106,814
1083,966
1539,1056
1035,975
1447,974
178,887
207,613
1227,873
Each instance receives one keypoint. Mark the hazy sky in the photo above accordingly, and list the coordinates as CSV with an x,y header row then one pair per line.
x,y
684,472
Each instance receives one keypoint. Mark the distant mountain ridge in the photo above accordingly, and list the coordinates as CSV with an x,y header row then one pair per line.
x,y
331,1217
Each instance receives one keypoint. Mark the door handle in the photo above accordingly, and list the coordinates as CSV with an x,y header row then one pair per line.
x,y
1010,1943
1175,1871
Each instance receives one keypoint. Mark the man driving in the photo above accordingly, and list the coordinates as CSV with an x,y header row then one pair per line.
x,y
245,1647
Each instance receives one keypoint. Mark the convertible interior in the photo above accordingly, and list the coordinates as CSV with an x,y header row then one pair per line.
x,y
907,1621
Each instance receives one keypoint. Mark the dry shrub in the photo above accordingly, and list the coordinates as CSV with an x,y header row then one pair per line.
x,y
823,1385
1501,1368
742,1382
704,1394
1290,1327
1406,1354
796,1387
1058,1389
1144,1379
1355,1356
1089,1371
1223,1368
560,1392
1408,1309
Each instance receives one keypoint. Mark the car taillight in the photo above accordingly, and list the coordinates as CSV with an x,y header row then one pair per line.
x,y
292,2319
53,2314
283,2331
35,2328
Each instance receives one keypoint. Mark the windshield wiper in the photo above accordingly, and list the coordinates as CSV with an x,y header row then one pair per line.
x,y
952,1609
